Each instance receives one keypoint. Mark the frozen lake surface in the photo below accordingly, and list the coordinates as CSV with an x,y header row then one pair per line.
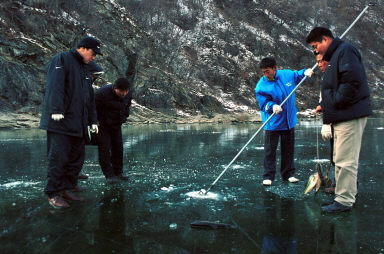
x,y
168,165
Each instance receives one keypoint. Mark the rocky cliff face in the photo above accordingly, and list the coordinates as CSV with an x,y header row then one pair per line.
x,y
192,59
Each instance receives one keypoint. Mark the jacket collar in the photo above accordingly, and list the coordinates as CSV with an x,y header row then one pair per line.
x,y
277,77
332,48
77,56
113,92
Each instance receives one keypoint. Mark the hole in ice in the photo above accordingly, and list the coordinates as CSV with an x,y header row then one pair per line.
x,y
201,194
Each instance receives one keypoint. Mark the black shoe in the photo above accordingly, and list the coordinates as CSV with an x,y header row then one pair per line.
x,y
336,207
66,194
122,177
58,202
112,180
328,202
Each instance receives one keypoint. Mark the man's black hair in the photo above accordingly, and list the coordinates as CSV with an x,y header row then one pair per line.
x,y
317,33
268,62
122,84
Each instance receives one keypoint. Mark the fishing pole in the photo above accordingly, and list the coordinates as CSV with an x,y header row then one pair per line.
x,y
273,114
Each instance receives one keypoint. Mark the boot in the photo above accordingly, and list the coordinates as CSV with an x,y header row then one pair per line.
x,y
58,202
70,196
78,189
122,177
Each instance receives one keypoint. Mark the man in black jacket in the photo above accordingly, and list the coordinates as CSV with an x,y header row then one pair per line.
x,y
346,105
112,104
95,71
66,117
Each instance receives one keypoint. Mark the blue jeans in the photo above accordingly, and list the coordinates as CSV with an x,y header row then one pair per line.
x,y
287,147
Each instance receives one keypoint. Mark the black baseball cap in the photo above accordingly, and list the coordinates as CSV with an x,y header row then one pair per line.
x,y
91,43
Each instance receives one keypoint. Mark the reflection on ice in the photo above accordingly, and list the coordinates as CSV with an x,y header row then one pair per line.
x,y
168,130
288,191
201,195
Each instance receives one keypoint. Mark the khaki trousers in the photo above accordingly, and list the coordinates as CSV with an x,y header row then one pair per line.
x,y
347,144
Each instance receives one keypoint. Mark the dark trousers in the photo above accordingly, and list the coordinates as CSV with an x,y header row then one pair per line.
x,y
65,160
110,151
287,146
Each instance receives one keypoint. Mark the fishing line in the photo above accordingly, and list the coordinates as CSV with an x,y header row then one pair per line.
x,y
318,164
202,191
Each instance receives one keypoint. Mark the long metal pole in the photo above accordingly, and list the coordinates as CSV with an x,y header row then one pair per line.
x,y
353,23
269,118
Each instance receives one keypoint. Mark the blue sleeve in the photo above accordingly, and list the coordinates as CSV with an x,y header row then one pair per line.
x,y
298,76
264,99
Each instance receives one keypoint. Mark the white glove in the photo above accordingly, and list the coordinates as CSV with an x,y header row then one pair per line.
x,y
94,129
277,109
326,132
308,72
57,117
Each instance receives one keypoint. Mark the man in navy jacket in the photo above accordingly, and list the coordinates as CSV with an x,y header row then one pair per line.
x,y
271,90
346,105
112,103
95,71
66,116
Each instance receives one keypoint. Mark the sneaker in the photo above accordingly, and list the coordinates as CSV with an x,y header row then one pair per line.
x,y
58,202
293,179
267,182
328,202
335,207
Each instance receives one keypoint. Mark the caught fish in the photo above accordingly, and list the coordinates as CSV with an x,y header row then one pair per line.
x,y
314,180
201,224
320,171
328,181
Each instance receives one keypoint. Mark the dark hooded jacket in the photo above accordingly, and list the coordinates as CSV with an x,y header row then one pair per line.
x,y
92,68
344,89
67,92
112,111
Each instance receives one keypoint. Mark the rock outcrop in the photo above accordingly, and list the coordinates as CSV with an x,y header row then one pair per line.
x,y
191,60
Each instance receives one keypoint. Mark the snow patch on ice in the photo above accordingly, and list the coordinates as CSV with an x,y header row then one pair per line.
x,y
15,184
171,187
